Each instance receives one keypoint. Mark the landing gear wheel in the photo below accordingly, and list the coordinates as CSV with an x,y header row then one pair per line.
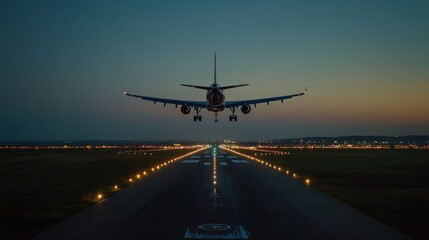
x,y
233,117
195,118
199,118
215,115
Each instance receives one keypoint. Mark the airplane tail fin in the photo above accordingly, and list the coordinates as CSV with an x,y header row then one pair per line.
x,y
195,86
215,68
233,86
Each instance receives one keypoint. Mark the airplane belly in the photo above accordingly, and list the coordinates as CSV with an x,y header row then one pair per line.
x,y
212,108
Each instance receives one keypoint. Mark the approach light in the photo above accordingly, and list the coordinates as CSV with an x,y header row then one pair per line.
x,y
116,187
99,196
307,181
130,179
138,175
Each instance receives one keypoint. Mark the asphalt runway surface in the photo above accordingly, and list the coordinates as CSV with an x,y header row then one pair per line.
x,y
220,196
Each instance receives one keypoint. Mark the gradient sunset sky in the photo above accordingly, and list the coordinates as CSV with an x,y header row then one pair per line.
x,y
64,65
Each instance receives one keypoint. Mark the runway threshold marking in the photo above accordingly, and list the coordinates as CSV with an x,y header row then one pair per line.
x,y
223,163
190,161
232,157
235,232
207,163
195,156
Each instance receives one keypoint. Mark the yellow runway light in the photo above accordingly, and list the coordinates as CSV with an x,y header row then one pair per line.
x,y
307,181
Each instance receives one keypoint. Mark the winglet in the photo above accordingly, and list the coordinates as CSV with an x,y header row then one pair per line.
x,y
125,92
305,90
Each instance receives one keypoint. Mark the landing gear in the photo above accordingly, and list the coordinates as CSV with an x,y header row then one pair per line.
x,y
216,117
197,117
233,116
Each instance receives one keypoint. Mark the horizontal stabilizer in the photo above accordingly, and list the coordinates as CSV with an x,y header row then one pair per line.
x,y
233,86
194,86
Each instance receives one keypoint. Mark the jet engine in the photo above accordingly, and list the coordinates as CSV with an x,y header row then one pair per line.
x,y
185,109
245,109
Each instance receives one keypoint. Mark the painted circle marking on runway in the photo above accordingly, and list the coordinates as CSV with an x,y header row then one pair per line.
x,y
214,227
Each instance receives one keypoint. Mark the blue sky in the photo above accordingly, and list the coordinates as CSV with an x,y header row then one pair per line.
x,y
64,64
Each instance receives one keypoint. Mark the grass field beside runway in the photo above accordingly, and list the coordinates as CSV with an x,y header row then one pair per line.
x,y
39,188
389,185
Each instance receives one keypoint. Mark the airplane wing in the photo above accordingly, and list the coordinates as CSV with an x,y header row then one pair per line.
x,y
232,104
199,104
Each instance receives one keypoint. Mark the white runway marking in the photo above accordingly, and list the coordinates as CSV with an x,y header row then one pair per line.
x,y
235,232
240,161
220,156
207,156
231,157
207,163
191,161
223,163
195,157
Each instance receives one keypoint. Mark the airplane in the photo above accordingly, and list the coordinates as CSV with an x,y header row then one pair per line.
x,y
215,100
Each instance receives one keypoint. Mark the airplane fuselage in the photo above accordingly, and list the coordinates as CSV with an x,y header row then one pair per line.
x,y
215,98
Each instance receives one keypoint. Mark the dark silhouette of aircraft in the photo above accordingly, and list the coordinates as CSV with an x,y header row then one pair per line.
x,y
215,100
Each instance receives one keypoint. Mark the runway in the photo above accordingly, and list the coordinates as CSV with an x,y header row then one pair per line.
x,y
217,195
